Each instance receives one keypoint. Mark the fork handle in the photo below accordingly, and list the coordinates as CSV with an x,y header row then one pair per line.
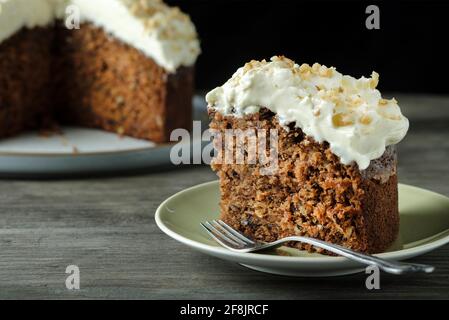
x,y
385,265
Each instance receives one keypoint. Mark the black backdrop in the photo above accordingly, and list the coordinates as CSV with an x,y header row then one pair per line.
x,y
410,51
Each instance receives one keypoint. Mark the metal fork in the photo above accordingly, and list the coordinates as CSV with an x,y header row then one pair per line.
x,y
237,242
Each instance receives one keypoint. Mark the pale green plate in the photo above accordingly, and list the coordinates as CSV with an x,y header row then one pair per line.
x,y
424,227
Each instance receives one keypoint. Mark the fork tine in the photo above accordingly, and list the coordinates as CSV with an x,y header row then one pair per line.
x,y
234,232
228,234
215,234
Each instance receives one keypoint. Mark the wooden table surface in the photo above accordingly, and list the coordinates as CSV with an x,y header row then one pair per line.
x,y
105,225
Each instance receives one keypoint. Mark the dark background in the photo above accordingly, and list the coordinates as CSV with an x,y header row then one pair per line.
x,y
410,51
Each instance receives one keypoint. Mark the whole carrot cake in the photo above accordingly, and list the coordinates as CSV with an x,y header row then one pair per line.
x,y
335,177
128,68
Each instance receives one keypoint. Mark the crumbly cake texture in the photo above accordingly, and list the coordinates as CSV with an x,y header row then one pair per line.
x,y
135,81
89,79
312,194
24,69
107,84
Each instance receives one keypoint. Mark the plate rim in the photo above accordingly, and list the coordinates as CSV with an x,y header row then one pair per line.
x,y
392,255
87,154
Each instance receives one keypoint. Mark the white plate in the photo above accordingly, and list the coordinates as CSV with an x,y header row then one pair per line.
x,y
424,227
77,151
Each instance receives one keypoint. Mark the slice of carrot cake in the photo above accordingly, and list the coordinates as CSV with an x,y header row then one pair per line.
x,y
335,177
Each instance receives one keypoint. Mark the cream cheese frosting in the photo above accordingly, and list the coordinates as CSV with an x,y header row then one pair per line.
x,y
162,33
348,113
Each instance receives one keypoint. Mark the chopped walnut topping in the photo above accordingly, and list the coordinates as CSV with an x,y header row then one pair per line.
x,y
304,68
394,117
355,101
253,64
287,61
342,120
156,15
366,120
374,80
345,93
316,68
326,72
120,131
306,75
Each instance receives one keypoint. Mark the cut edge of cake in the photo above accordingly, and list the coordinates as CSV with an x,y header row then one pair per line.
x,y
140,86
